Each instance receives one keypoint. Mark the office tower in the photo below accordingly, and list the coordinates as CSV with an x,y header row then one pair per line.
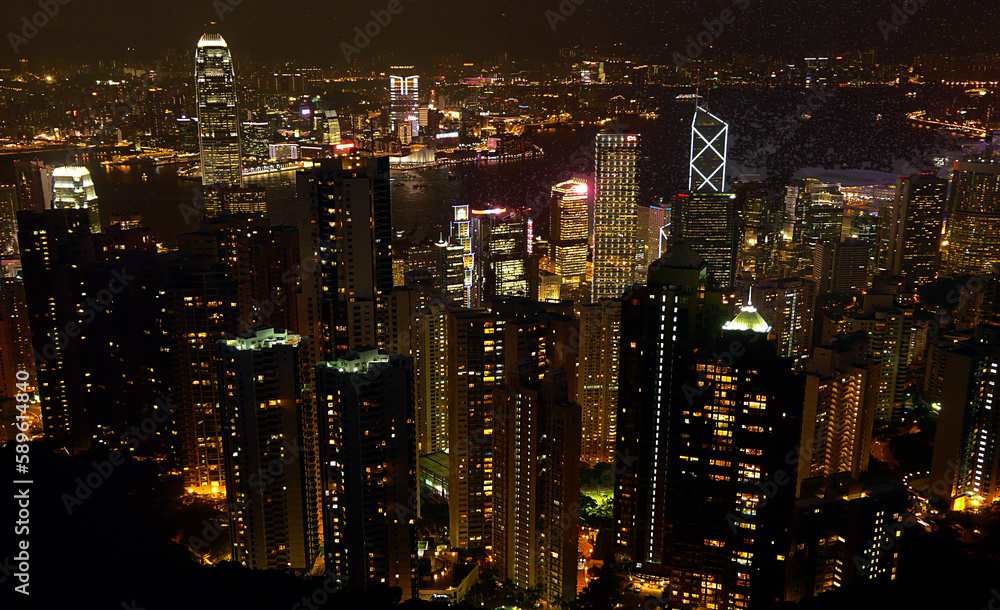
x,y
332,135
461,235
404,94
73,189
973,215
34,184
660,321
536,534
8,221
54,245
966,446
346,230
723,414
263,426
734,437
841,267
235,200
202,310
889,330
369,470
500,243
914,228
841,394
819,215
787,305
256,138
476,367
709,148
845,532
218,119
616,187
707,222
569,232
753,240
597,377
651,222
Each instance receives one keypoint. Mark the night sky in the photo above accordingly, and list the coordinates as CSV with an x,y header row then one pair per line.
x,y
311,31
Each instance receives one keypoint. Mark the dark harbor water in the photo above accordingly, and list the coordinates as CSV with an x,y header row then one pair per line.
x,y
851,129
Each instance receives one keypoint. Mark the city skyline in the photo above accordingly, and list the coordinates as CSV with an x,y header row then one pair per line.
x,y
691,319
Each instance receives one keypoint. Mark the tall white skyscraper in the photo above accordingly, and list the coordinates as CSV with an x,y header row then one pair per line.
x,y
709,139
218,119
615,215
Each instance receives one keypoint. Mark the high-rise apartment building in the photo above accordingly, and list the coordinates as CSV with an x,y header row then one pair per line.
x,y
8,221
268,451
616,187
218,118
890,332
597,377
202,310
967,443
346,236
841,266
537,454
841,394
369,469
476,367
55,244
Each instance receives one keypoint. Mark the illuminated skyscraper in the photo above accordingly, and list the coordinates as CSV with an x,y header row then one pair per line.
x,y
276,524
461,234
841,393
615,215
709,143
218,119
787,305
8,221
536,539
404,98
652,221
974,215
915,223
597,377
500,243
256,139
890,331
967,443
569,232
202,311
54,246
369,468
346,231
819,216
660,321
711,413
73,189
708,223
476,368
